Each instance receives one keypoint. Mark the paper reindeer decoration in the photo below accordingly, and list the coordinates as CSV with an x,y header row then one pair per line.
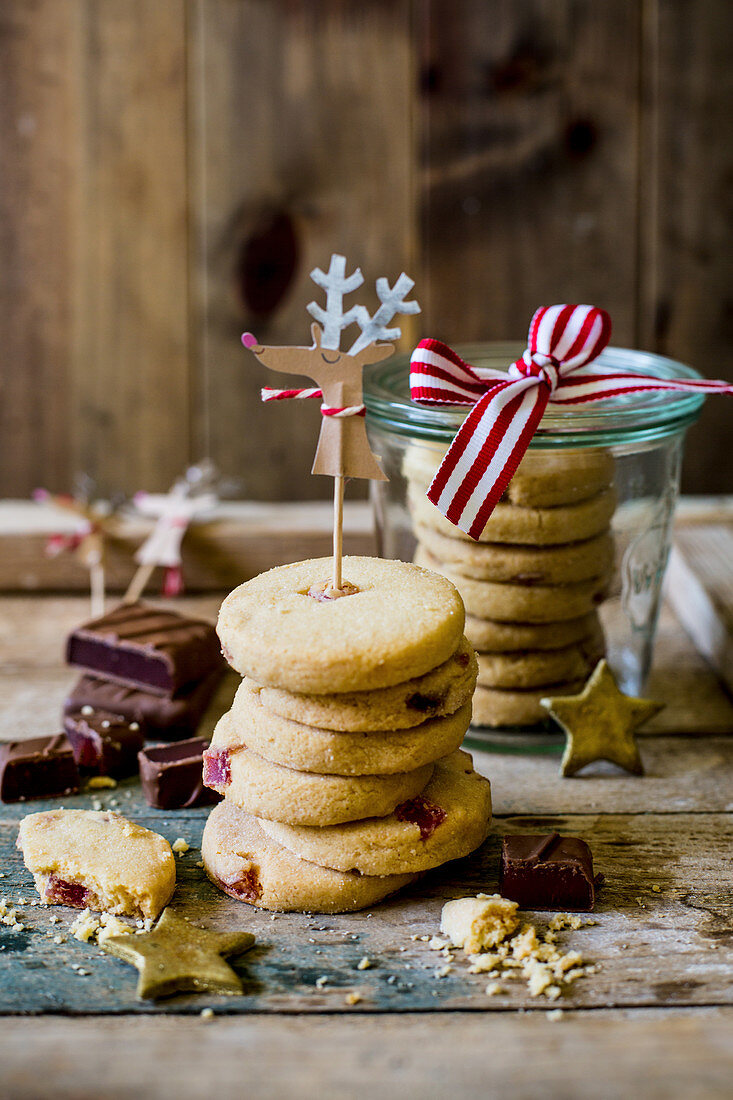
x,y
173,511
343,447
86,542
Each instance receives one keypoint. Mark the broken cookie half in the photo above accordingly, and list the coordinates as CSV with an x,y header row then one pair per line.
x,y
98,860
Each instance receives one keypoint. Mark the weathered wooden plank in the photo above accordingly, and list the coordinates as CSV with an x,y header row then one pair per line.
x,y
39,211
529,163
301,144
237,541
674,947
33,629
685,265
699,586
662,1056
130,403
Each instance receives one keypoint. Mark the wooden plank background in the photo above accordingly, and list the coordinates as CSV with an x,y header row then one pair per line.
x,y
172,172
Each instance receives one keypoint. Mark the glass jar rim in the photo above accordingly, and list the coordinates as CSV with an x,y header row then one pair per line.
x,y
638,416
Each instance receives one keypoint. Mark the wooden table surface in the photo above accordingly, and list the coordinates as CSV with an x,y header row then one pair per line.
x,y
655,1020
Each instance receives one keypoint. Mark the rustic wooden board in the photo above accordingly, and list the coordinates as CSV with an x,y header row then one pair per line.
x,y
684,262
529,162
301,145
39,211
699,586
678,942
33,681
131,395
238,540
606,1054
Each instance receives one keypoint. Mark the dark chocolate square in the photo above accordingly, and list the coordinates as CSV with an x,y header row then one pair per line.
x,y
104,743
146,647
547,871
165,719
39,768
171,775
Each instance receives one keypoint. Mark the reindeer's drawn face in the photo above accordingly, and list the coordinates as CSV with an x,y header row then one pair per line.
x,y
317,360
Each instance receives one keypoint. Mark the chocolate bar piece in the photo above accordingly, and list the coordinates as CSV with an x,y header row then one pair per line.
x,y
171,775
160,718
104,743
39,768
146,647
548,871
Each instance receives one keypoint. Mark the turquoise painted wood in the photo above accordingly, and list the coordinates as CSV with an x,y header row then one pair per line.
x,y
668,947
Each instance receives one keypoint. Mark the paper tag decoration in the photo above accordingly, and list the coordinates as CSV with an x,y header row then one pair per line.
x,y
343,447
508,405
173,511
86,542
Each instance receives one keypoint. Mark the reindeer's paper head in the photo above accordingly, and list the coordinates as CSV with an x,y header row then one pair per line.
x,y
343,448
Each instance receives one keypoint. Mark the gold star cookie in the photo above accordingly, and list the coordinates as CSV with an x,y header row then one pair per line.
x,y
179,957
599,723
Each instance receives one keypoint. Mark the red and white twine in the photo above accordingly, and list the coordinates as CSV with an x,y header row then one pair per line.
x,y
339,412
508,405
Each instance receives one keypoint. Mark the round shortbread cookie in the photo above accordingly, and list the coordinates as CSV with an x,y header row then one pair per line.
x,y
250,866
333,752
520,603
443,690
401,622
447,821
305,798
528,670
543,479
525,526
498,707
504,563
493,637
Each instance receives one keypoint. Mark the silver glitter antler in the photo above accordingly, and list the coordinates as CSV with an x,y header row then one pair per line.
x,y
393,302
336,283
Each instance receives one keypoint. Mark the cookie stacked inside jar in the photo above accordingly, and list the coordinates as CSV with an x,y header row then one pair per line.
x,y
533,581
339,761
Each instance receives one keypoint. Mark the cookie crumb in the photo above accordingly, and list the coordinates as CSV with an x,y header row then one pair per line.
x,y
364,963
493,988
656,888
353,998
207,1014
180,846
555,1014
443,971
476,924
320,982
100,782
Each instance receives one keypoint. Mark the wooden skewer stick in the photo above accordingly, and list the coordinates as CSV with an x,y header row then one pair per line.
x,y
338,529
96,572
135,589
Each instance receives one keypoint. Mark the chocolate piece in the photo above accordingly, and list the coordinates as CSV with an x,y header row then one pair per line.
x,y
161,719
171,775
146,647
547,871
39,768
104,743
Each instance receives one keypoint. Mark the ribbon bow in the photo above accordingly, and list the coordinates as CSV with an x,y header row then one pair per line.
x,y
508,405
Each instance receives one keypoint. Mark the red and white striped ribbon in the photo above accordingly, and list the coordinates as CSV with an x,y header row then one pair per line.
x,y
337,411
508,405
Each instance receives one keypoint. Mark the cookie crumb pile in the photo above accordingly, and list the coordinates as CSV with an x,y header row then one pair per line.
x,y
532,583
339,761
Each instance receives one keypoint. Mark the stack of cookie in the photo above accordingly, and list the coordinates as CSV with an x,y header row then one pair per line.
x,y
532,583
339,761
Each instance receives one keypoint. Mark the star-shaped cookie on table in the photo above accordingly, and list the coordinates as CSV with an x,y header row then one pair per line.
x,y
599,723
179,957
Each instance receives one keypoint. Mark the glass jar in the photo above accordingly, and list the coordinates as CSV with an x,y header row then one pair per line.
x,y
571,562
